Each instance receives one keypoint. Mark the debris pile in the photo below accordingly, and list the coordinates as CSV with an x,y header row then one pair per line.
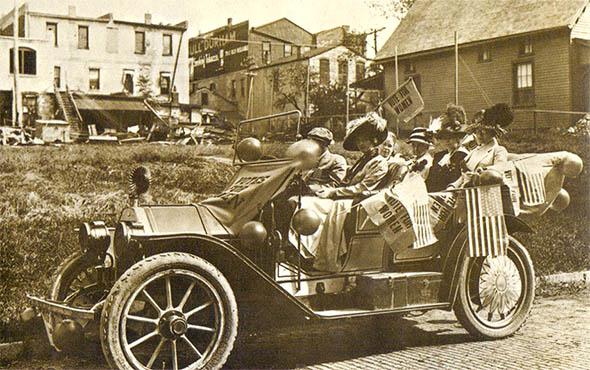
x,y
18,136
581,128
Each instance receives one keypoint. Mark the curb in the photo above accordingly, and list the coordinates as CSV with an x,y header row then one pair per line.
x,y
566,277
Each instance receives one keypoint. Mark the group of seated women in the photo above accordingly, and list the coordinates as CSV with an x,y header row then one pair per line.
x,y
465,149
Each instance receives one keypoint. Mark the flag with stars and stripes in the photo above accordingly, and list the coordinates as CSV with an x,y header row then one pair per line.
x,y
486,229
531,182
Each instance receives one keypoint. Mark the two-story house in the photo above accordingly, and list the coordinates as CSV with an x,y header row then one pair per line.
x,y
532,54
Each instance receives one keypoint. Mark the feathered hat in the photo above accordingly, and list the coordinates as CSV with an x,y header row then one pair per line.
x,y
371,125
450,124
497,117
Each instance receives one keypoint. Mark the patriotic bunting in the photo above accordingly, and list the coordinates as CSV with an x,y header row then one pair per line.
x,y
486,229
402,214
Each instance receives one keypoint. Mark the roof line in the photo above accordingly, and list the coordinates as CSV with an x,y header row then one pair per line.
x,y
466,44
221,28
178,27
271,36
288,20
576,17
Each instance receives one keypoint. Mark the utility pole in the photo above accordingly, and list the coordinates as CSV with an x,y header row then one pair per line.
x,y
374,33
456,68
16,116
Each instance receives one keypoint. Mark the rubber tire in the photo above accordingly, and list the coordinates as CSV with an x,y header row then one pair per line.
x,y
63,276
124,287
468,319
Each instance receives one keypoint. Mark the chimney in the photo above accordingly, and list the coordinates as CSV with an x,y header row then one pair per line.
x,y
148,18
71,11
229,23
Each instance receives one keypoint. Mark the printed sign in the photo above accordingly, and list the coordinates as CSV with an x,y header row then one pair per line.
x,y
406,102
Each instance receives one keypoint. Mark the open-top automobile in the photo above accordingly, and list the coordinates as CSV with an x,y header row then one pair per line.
x,y
168,286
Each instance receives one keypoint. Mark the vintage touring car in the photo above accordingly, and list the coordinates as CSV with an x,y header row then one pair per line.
x,y
165,286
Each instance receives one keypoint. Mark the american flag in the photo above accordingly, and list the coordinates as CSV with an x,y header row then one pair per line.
x,y
531,181
486,229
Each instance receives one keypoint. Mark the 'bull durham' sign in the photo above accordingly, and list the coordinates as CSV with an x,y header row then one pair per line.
x,y
406,102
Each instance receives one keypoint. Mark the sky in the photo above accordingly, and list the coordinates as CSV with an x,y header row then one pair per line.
x,y
204,15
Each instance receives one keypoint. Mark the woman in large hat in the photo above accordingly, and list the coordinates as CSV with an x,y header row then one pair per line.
x,y
449,129
488,125
363,135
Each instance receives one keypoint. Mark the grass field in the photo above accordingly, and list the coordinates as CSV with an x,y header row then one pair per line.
x,y
47,191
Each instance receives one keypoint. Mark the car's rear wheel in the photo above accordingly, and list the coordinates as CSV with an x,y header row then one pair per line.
x,y
496,293
171,310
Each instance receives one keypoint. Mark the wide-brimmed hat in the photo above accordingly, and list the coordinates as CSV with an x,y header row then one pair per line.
x,y
420,135
450,124
371,125
497,117
322,135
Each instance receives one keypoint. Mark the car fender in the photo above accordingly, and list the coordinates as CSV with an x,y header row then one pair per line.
x,y
458,252
244,276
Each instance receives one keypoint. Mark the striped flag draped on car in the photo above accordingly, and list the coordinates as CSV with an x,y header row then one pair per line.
x,y
531,181
486,229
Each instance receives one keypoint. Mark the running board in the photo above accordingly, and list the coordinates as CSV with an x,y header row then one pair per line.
x,y
347,313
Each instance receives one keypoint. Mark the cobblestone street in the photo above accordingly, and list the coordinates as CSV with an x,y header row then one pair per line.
x,y
554,337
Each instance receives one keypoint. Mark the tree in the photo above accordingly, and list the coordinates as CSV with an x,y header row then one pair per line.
x,y
289,84
356,41
391,8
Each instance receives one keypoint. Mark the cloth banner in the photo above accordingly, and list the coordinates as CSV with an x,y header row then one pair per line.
x,y
249,190
486,228
402,214
406,102
442,205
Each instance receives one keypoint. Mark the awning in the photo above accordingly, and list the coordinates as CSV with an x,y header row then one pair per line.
x,y
109,103
375,82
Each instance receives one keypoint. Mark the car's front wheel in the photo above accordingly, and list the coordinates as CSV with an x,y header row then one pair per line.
x,y
169,311
496,293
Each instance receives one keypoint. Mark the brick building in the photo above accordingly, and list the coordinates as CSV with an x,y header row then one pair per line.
x,y
89,57
531,54
223,59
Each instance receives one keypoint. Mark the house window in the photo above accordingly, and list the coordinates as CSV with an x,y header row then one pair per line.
x,y
324,71
139,42
288,51
83,37
343,72
164,83
212,86
243,87
57,76
523,84
266,52
484,55
204,98
51,29
359,71
525,46
94,79
233,89
167,45
27,61
128,80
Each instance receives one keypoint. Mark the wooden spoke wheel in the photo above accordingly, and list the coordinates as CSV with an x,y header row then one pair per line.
x,y
171,310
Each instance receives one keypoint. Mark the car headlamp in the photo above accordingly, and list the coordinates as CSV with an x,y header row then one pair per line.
x,y
94,237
